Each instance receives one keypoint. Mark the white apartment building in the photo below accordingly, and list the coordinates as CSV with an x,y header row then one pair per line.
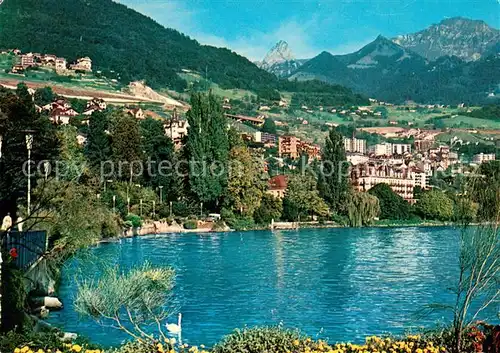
x,y
354,145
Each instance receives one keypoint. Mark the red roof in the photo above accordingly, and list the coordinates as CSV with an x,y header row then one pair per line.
x,y
278,182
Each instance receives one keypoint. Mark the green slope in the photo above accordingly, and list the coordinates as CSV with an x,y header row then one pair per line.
x,y
127,45
120,39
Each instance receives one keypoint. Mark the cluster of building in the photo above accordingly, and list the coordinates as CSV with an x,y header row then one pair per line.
x,y
400,166
293,147
61,111
28,60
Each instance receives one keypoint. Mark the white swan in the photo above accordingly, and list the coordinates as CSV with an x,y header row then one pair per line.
x,y
173,328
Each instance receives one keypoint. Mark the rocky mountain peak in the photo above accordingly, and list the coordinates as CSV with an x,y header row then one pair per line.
x,y
465,38
279,53
280,60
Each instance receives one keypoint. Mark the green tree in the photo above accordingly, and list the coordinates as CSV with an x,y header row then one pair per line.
x,y
333,175
245,184
270,208
126,146
302,194
98,147
485,190
44,96
269,126
392,206
160,163
207,149
73,162
434,204
17,116
24,95
129,301
362,208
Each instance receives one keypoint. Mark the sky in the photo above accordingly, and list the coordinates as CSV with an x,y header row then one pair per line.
x,y
252,27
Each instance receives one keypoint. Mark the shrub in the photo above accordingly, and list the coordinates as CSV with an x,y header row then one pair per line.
x,y
241,223
44,341
261,339
134,219
191,224
14,296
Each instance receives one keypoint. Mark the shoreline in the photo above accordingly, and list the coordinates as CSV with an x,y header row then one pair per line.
x,y
149,229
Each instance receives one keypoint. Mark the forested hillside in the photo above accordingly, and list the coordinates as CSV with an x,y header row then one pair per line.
x,y
130,46
120,39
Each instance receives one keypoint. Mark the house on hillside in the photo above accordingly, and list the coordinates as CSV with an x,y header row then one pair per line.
x,y
61,116
277,186
137,113
176,130
61,64
99,102
27,60
82,64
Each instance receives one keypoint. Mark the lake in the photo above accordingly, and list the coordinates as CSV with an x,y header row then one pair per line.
x,y
340,284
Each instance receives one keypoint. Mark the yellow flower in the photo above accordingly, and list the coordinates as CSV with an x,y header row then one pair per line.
x,y
76,348
296,342
25,349
17,350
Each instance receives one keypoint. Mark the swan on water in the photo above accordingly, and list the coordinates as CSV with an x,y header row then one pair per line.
x,y
175,328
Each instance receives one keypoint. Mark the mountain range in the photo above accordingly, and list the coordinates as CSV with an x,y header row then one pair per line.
x,y
129,46
454,61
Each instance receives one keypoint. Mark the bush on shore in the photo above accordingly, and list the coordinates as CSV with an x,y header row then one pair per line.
x,y
275,339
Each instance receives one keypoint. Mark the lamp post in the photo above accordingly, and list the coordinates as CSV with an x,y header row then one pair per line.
x,y
154,211
128,205
170,208
1,139
140,202
114,203
46,166
161,193
29,146
107,181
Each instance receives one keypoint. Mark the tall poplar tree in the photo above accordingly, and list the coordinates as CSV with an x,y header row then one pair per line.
x,y
207,149
333,180
98,148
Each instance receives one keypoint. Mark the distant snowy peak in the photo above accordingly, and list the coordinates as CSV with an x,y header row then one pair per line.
x,y
280,60
279,53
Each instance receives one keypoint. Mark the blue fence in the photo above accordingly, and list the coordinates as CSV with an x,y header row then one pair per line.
x,y
30,246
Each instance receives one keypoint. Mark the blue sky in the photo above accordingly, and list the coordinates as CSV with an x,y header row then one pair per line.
x,y
252,27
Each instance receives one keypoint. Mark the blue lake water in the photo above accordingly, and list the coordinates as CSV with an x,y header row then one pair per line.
x,y
339,284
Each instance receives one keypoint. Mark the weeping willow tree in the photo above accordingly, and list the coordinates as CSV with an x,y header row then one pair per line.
x,y
362,208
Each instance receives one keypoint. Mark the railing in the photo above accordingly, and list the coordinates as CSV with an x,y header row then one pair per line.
x,y
29,246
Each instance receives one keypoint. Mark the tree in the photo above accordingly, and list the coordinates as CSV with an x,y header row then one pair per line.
x,y
362,208
245,184
302,194
17,119
207,148
98,147
392,206
333,177
126,146
435,204
485,190
160,163
72,160
44,96
269,126
129,301
270,208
